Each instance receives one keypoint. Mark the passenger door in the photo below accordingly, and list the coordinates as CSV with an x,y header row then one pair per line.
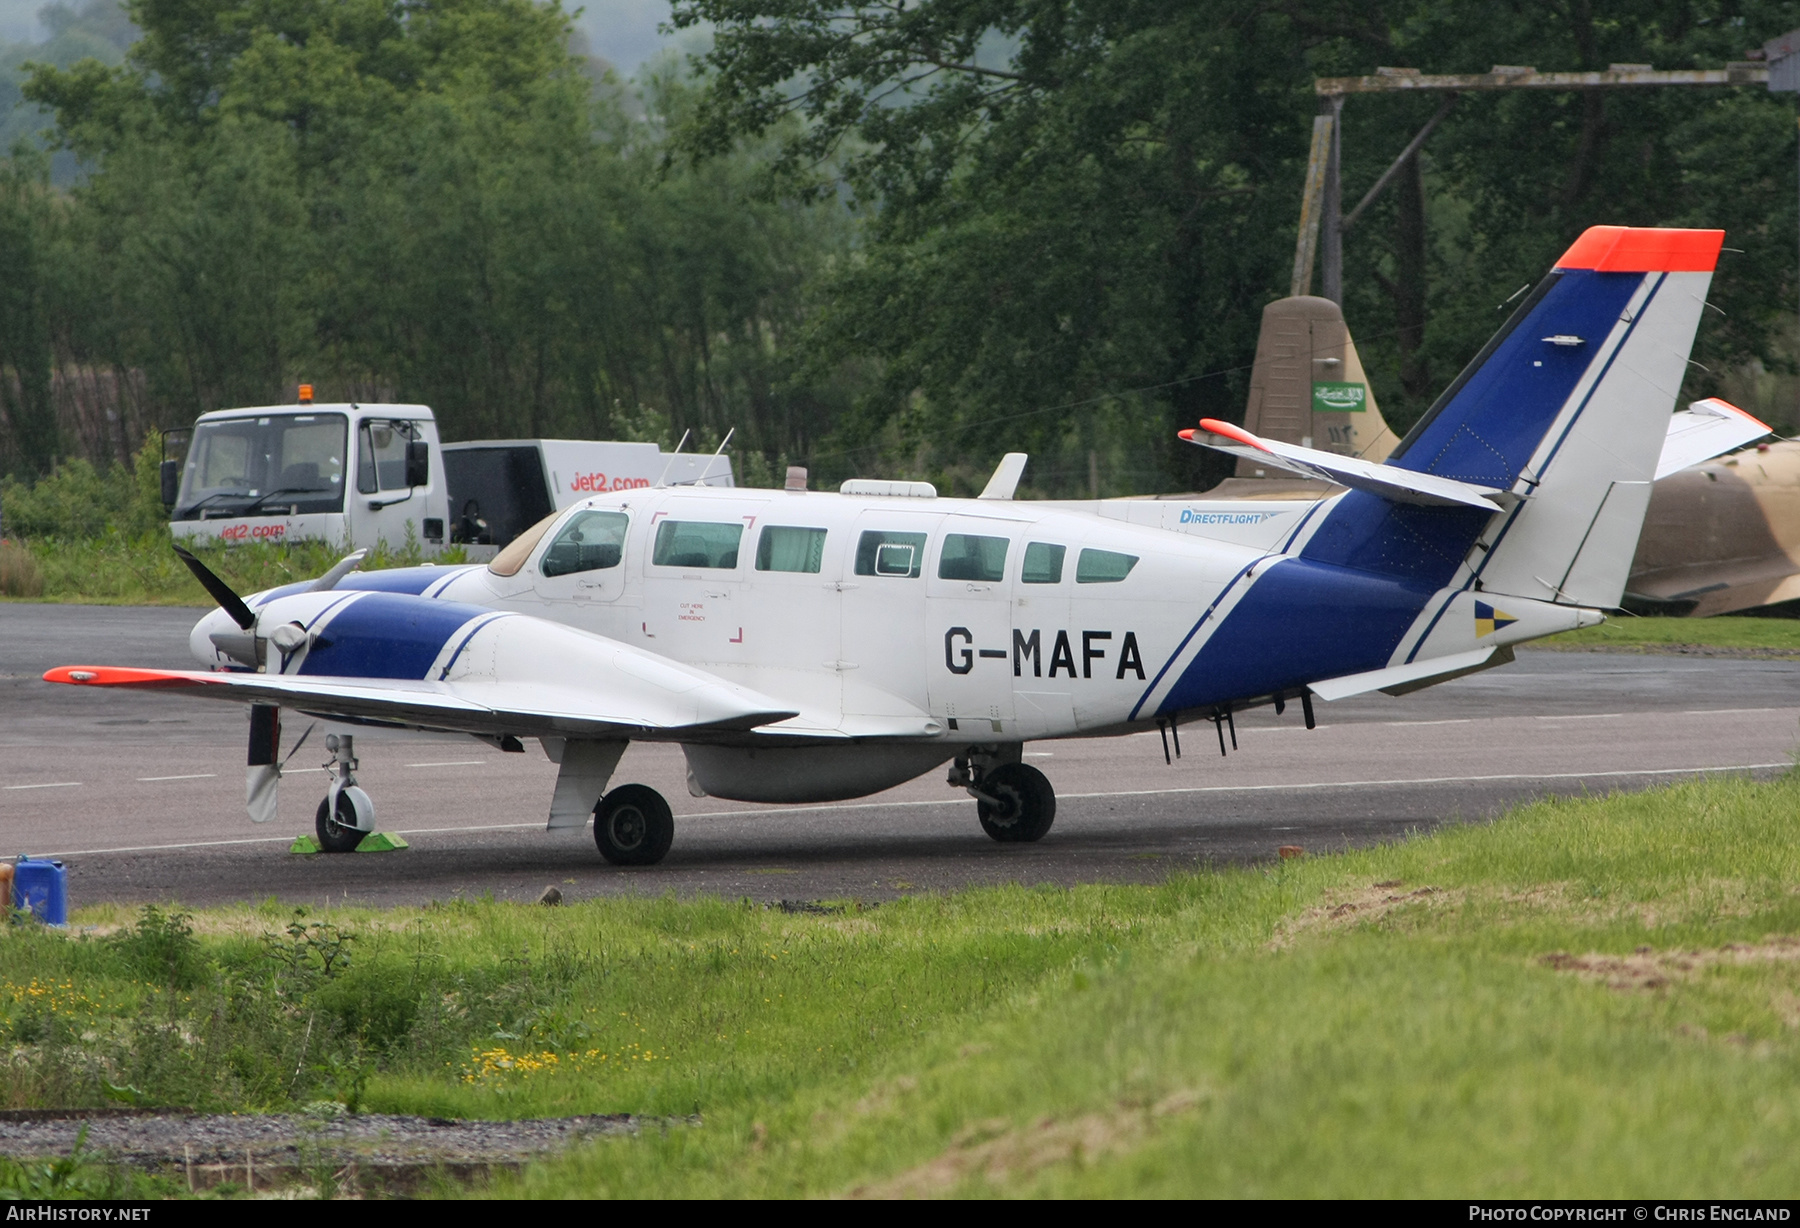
x,y
883,611
969,627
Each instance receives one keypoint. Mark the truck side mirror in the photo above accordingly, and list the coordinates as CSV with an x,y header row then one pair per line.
x,y
170,473
418,463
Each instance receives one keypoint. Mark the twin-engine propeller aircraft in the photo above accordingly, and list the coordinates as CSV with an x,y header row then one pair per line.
x,y
806,647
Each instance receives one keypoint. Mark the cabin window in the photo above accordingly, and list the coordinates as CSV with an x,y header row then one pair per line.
x,y
1103,566
696,543
881,553
1043,564
591,541
967,557
781,548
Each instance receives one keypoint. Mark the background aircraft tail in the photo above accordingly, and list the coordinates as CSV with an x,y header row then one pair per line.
x,y
1308,386
1567,407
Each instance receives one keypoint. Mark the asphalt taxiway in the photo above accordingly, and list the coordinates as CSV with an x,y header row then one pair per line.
x,y
142,795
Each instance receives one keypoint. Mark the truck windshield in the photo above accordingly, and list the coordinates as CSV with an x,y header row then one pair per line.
x,y
275,465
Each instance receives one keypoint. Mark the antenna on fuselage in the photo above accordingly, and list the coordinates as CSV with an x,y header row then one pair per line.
x,y
718,452
662,480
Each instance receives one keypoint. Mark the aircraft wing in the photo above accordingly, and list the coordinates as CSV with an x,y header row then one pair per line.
x,y
1387,481
1704,430
505,674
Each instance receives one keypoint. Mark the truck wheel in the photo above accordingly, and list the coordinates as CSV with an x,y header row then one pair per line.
x,y
1027,804
633,826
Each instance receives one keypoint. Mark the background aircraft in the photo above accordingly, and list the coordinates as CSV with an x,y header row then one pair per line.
x,y
805,646
1718,536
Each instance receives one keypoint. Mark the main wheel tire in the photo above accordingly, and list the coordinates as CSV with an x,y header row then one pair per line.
x,y
338,833
633,826
1027,804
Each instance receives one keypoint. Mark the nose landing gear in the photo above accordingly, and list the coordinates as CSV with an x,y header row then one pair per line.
x,y
347,814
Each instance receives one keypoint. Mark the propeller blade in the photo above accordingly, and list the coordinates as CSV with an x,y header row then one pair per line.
x,y
220,591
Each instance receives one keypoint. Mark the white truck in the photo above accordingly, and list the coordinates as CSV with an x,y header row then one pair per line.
x,y
356,475
343,473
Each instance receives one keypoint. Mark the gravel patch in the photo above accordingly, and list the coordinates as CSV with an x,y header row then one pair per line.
x,y
388,1152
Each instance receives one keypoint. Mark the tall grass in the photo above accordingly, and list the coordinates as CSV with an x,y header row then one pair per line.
x,y
1591,997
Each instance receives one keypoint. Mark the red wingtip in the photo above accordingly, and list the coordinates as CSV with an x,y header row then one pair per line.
x,y
1230,431
118,675
1722,403
1187,435
1643,249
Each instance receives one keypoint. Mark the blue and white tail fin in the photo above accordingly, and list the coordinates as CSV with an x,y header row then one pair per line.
x,y
1531,473
1568,408
1511,511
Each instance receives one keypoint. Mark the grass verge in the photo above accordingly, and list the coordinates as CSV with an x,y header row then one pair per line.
x,y
117,570
1733,633
1593,997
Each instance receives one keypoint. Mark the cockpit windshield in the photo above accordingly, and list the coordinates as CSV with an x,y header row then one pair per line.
x,y
275,465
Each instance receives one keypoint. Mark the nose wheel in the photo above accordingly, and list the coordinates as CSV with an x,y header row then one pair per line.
x,y
633,826
347,814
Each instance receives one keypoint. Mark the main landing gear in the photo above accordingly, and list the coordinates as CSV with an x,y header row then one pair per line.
x,y
347,814
633,826
1016,802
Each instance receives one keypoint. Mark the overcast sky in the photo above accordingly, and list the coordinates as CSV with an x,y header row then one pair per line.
x,y
620,31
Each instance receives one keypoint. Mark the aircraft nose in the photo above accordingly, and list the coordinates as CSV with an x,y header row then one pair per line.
x,y
200,638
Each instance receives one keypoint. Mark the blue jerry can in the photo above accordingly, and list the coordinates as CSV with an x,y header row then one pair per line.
x,y
43,888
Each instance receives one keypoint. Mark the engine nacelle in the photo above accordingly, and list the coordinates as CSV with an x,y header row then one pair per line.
x,y
809,774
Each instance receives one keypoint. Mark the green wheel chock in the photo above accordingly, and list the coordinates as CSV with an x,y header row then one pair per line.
x,y
304,844
381,842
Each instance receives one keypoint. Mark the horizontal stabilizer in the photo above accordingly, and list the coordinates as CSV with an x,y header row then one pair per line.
x,y
1704,430
1409,676
1386,481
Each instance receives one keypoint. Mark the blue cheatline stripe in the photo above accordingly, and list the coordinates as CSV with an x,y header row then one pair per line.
x,y
1300,622
473,628
1294,536
1192,631
387,635
410,580
437,589
1513,516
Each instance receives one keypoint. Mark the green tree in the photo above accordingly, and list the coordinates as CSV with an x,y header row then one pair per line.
x,y
1077,208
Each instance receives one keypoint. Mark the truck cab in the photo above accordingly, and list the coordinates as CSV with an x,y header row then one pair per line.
x,y
350,474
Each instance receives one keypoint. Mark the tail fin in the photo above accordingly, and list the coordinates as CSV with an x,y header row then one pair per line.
x,y
1567,407
1308,386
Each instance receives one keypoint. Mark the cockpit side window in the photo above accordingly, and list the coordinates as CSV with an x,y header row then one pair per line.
x,y
590,541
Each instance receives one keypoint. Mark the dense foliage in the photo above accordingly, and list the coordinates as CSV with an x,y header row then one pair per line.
x,y
873,237
429,202
1069,199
